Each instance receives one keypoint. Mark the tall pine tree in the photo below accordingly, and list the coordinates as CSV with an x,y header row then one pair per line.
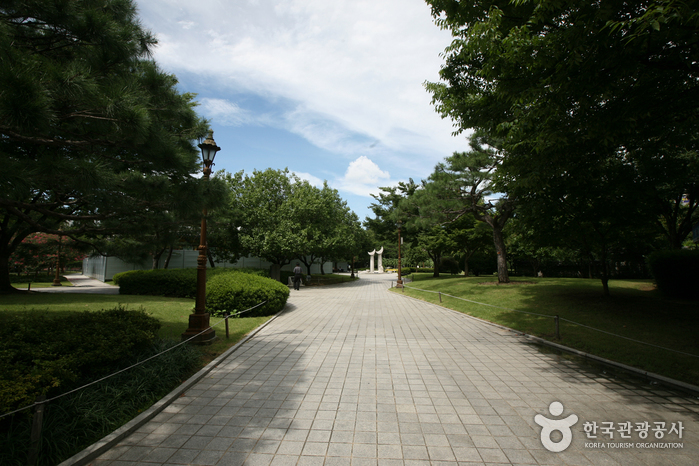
x,y
93,135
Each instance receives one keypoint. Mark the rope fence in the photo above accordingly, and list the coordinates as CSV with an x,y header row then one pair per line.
x,y
47,400
556,319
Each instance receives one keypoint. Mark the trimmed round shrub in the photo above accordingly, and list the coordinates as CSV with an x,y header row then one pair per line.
x,y
676,272
178,283
240,291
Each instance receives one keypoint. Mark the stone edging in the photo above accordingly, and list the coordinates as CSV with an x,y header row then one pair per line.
x,y
693,389
96,449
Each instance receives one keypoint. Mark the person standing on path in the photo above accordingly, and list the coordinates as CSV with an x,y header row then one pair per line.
x,y
297,276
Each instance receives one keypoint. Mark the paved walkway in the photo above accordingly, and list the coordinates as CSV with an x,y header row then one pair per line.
x,y
81,284
356,375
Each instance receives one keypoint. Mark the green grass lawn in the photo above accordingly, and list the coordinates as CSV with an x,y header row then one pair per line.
x,y
37,281
173,313
634,310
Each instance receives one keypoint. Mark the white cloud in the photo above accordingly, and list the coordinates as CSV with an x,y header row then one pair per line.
x,y
363,177
313,180
359,65
224,112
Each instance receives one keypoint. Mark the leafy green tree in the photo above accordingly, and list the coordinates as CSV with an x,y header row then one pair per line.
x,y
275,215
470,236
344,236
272,224
463,185
39,251
563,81
598,222
436,241
547,73
386,214
93,134
316,221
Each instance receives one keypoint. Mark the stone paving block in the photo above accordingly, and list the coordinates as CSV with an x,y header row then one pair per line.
x,y
355,375
183,456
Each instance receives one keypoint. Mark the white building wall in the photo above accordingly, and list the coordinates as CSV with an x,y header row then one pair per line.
x,y
104,268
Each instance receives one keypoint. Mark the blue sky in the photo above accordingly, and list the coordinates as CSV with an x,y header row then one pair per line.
x,y
333,90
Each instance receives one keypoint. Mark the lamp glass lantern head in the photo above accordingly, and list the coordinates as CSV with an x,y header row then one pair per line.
x,y
209,149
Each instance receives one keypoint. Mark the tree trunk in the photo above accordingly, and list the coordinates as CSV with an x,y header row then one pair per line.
x,y
307,264
169,256
274,272
467,256
211,258
604,274
156,259
5,284
436,259
499,241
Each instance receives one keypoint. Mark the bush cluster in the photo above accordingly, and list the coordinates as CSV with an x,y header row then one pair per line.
x,y
46,353
676,272
449,265
181,283
178,283
73,422
240,291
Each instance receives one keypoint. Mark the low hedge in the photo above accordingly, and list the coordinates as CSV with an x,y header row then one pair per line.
x,y
46,353
239,291
178,283
676,272
181,283
73,422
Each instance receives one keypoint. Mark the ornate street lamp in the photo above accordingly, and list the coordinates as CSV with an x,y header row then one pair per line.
x,y
199,321
399,283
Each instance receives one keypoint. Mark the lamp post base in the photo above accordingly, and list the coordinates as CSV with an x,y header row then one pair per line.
x,y
199,325
399,283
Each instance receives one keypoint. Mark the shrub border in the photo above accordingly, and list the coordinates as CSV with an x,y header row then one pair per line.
x,y
102,446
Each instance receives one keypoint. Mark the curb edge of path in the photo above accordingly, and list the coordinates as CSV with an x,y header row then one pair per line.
x,y
98,448
677,384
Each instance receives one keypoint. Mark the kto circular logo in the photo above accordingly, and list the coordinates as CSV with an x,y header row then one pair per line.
x,y
549,426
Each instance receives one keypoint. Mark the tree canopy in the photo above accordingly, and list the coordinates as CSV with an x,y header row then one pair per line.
x,y
93,135
282,218
595,105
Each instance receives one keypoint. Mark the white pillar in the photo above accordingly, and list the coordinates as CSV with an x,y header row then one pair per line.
x,y
380,253
371,261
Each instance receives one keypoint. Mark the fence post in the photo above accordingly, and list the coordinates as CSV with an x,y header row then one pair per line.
x,y
227,315
37,422
440,296
558,333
